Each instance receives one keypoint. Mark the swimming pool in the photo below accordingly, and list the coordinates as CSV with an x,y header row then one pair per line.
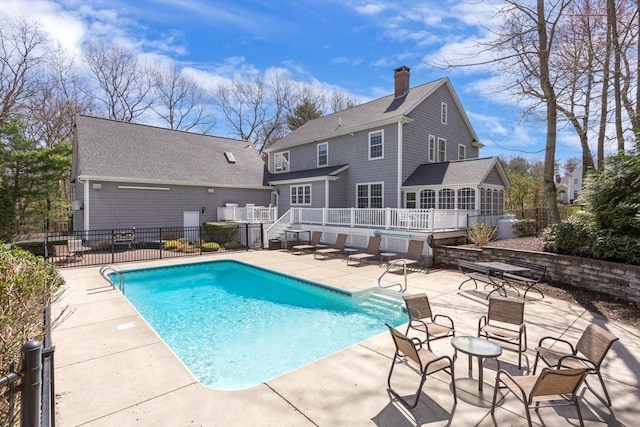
x,y
236,326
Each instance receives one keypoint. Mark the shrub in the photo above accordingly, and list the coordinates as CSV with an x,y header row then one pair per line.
x,y
572,237
178,244
28,285
232,245
220,232
210,247
480,233
525,227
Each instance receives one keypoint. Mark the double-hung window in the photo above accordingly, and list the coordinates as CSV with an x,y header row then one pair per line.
x,y
281,161
432,148
442,149
443,113
369,195
462,151
323,154
301,194
376,145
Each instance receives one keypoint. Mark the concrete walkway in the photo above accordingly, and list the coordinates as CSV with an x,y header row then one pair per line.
x,y
113,370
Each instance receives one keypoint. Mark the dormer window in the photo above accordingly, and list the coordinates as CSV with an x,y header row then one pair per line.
x,y
281,161
230,157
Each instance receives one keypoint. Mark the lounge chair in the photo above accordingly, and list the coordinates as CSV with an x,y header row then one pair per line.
x,y
315,239
589,352
370,252
63,254
555,386
338,247
505,322
422,319
414,256
426,363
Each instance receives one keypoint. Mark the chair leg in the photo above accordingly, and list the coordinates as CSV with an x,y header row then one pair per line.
x,y
607,399
417,396
579,412
535,363
526,411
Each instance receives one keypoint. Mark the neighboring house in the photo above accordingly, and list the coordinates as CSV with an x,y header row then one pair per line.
x,y
131,175
569,186
413,149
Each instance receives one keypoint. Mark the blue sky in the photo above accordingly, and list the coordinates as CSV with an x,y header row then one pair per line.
x,y
349,45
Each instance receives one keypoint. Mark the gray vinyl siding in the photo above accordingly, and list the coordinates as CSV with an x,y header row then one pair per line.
x,y
493,178
338,192
78,216
426,122
115,208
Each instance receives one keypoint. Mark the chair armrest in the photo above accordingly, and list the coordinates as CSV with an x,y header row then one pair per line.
x,y
556,340
513,381
445,317
481,323
421,322
432,361
591,366
416,343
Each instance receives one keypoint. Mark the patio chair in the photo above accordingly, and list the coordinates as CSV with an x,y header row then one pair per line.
x,y
504,322
315,239
63,254
341,240
371,252
422,319
557,387
589,352
412,353
413,257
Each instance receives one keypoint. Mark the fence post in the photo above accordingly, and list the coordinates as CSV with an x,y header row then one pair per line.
x,y
161,244
246,234
261,236
32,368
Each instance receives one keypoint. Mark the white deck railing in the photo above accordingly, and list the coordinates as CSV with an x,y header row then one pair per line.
x,y
248,214
387,218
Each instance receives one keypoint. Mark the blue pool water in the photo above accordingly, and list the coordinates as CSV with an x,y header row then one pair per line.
x,y
235,326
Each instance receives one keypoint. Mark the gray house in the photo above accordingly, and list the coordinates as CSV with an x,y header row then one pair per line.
x,y
131,175
413,149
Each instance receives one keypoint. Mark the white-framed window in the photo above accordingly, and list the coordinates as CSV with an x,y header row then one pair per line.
x,y
369,195
300,194
442,150
281,161
410,200
443,113
323,154
446,199
432,148
466,198
376,145
427,199
462,151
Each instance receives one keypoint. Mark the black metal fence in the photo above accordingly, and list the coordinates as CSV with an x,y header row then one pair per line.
x,y
98,247
32,386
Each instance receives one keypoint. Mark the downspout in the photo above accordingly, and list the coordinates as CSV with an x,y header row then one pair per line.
x,y
399,177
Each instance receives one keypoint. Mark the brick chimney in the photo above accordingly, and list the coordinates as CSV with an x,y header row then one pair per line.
x,y
401,76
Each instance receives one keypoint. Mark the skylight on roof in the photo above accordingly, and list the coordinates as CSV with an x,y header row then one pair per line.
x,y
230,157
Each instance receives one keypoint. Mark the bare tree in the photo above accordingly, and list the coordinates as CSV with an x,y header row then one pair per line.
x,y
62,95
124,82
339,101
22,50
180,101
255,110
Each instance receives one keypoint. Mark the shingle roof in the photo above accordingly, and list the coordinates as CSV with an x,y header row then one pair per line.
x,y
307,173
114,150
386,109
459,172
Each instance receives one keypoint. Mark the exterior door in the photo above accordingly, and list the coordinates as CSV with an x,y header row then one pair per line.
x,y
192,225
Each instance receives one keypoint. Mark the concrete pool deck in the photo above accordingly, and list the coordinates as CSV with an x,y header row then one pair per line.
x,y
111,369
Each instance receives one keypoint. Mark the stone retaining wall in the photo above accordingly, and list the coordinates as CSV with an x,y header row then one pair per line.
x,y
619,280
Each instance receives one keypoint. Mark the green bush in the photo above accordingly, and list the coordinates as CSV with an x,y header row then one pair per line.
x,y
480,233
220,232
525,227
572,237
28,285
232,245
210,247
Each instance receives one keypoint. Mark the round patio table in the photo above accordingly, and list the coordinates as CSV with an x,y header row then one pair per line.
x,y
478,347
